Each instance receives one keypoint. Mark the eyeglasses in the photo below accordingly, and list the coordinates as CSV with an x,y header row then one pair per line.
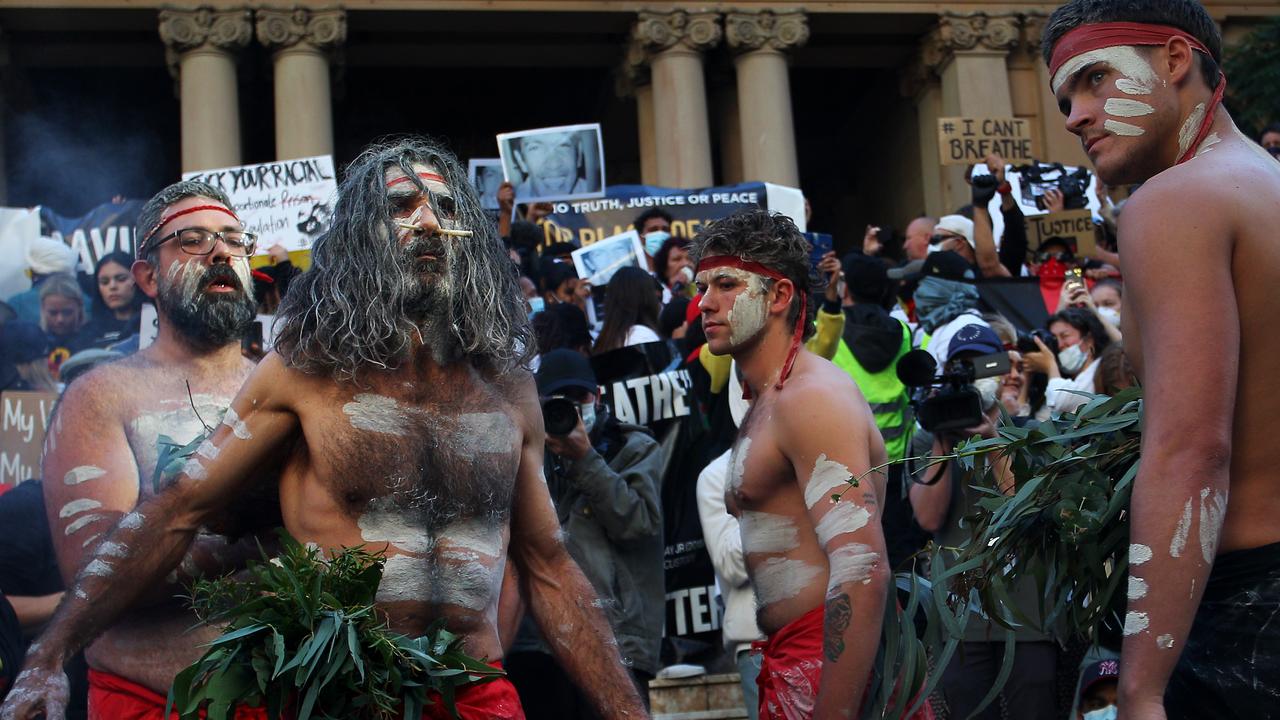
x,y
199,241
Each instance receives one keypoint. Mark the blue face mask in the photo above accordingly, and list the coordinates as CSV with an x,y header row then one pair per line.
x,y
653,241
536,305
1106,713
588,413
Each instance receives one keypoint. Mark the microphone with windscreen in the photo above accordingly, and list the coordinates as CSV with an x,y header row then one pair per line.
x,y
917,368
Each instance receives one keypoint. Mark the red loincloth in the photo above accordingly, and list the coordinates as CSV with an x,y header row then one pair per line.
x,y
791,667
111,697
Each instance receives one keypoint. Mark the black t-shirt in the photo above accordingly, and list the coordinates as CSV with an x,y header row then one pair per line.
x,y
28,565
12,646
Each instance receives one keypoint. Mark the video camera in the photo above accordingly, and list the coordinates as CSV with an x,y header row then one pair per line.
x,y
559,415
1038,177
948,401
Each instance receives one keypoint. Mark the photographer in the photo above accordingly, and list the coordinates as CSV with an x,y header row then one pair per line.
x,y
603,476
1081,340
941,498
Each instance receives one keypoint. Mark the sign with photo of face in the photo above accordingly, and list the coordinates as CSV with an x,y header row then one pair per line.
x,y
554,163
486,176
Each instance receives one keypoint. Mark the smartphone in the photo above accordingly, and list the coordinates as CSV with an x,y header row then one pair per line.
x,y
1074,279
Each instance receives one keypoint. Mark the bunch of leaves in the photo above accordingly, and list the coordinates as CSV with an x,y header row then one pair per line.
x,y
1064,530
302,635
1253,89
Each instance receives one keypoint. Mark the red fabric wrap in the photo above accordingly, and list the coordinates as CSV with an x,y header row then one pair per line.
x,y
791,666
423,176
1101,35
167,218
112,697
797,336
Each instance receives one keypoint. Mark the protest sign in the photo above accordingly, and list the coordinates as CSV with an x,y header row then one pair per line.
x,y
1028,194
599,261
288,202
585,222
554,163
24,417
18,227
105,229
965,141
1076,226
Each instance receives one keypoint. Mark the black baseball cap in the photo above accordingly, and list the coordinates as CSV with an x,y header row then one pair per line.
x,y
944,264
562,369
1097,672
865,276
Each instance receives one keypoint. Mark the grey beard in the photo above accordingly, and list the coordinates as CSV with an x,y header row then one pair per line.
x,y
207,321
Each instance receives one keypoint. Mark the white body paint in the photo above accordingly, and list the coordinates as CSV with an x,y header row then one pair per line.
x,y
1137,588
750,308
1123,107
767,533
1211,516
1164,642
113,549
1209,142
476,535
376,413
778,579
1123,129
207,450
1190,127
739,462
488,432
407,578
90,540
81,522
1139,553
98,568
132,521
1180,533
843,517
1135,622
383,521
78,506
852,563
1139,77
238,428
194,470
82,474
828,478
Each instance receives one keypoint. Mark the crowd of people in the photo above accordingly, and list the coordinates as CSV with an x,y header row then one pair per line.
x,y
553,474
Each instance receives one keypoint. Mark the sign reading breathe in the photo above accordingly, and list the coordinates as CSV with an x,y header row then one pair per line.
x,y
966,141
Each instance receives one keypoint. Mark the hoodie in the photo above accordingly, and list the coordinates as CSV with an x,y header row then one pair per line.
x,y
873,336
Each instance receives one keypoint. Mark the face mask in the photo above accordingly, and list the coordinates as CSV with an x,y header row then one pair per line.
x,y
988,388
1106,713
588,413
653,241
1052,269
536,305
1110,314
1072,359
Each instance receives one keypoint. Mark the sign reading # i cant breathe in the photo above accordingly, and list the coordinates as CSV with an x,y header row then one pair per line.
x,y
967,141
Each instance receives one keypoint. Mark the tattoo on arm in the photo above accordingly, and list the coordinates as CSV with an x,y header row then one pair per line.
x,y
839,611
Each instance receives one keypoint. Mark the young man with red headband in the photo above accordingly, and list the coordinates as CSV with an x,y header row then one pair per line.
x,y
397,408
1140,84
101,447
818,567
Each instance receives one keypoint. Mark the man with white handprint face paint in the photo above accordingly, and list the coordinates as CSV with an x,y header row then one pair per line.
x,y
1139,82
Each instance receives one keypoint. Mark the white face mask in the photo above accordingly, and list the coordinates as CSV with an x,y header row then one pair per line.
x,y
588,413
988,390
1110,314
1072,359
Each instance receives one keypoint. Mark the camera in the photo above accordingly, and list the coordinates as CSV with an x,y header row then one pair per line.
x,y
1027,345
948,401
1038,177
559,415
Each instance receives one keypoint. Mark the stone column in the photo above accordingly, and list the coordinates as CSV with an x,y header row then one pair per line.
x,y
1054,142
304,110
760,40
968,53
634,81
200,45
674,43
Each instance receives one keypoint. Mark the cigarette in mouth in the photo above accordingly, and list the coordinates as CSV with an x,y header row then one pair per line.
x,y
439,231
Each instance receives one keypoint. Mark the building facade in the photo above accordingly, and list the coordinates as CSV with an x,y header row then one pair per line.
x,y
840,98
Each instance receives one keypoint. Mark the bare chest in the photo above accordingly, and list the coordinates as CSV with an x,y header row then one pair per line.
x,y
178,419
758,471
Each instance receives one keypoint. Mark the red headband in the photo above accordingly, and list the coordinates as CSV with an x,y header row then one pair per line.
x,y
167,218
1101,35
797,336
424,176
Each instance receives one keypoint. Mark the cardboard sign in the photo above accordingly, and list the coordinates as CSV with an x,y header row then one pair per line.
x,y
24,417
966,141
287,202
1075,225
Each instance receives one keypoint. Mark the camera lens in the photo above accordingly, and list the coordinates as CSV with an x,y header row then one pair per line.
x,y
559,415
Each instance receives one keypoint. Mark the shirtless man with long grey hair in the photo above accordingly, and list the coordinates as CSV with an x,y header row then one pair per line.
x,y
397,397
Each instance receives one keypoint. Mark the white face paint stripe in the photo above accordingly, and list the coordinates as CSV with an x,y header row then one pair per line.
x,y
843,517
1123,129
828,478
1125,59
852,563
82,474
81,522
767,533
1180,533
778,579
1122,107
1135,622
1137,588
78,506
1139,553
238,428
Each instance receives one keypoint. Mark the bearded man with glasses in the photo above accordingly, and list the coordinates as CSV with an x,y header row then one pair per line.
x,y
101,447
